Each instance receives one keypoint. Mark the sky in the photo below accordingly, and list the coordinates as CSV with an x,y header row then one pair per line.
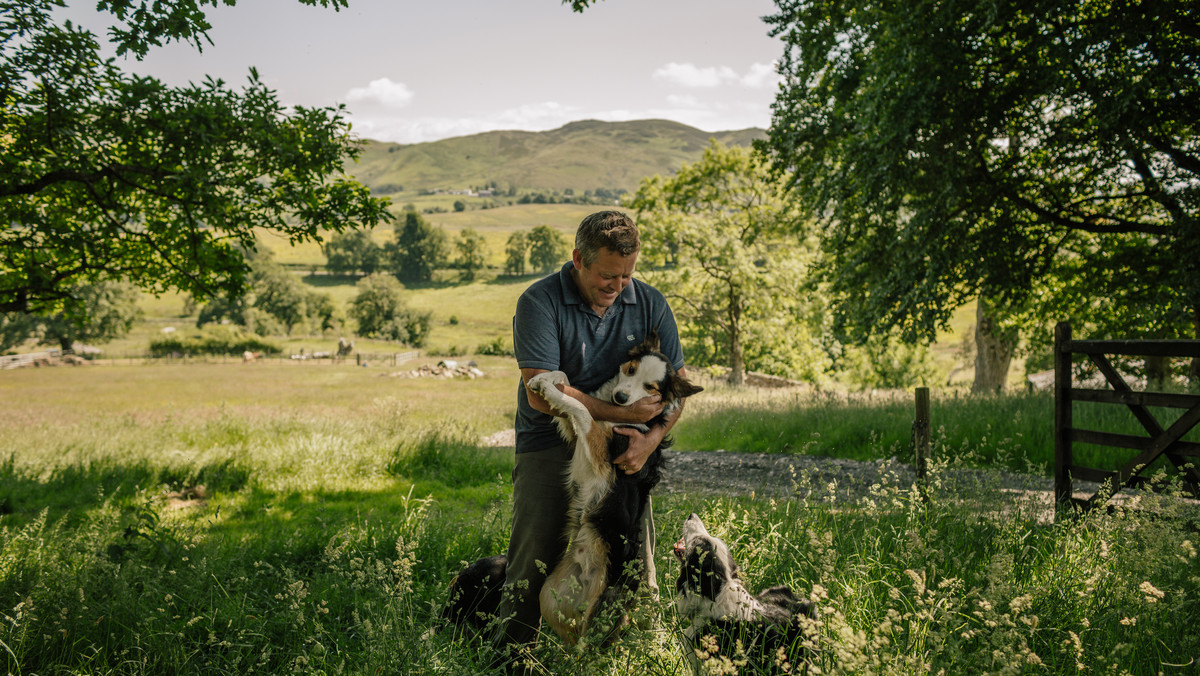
x,y
410,71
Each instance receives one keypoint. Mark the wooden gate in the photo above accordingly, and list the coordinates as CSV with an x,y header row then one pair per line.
x,y
1159,442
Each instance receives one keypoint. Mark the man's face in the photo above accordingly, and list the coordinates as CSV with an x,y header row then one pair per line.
x,y
603,281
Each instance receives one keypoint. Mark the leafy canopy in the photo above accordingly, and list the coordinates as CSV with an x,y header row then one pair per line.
x,y
719,238
1009,149
109,175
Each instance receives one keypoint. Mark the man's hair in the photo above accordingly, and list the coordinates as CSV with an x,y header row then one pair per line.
x,y
610,230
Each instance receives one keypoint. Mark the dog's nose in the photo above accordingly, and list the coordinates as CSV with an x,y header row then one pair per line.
x,y
620,398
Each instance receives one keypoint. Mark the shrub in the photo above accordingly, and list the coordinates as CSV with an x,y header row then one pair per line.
x,y
212,340
496,348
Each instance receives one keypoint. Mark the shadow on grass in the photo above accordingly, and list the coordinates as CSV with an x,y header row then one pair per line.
x,y
64,491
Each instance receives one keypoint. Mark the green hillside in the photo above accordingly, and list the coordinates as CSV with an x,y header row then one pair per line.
x,y
581,156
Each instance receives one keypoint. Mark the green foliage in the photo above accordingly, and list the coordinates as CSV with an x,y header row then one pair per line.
x,y
275,302
720,240
1012,151
499,347
352,252
380,312
419,248
212,340
97,312
886,362
105,174
516,249
328,539
472,253
16,328
548,248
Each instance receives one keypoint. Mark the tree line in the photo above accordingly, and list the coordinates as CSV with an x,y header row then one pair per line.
x,y
418,248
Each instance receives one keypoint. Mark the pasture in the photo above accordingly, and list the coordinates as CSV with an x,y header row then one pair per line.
x,y
301,518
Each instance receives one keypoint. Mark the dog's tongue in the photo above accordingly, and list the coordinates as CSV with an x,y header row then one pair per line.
x,y
679,549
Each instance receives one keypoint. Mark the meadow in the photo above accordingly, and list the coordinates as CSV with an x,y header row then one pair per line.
x,y
286,517
283,516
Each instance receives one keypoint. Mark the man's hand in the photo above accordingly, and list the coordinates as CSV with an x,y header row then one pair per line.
x,y
640,447
645,409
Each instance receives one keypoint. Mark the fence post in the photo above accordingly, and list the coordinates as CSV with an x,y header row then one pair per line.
x,y
920,432
1063,451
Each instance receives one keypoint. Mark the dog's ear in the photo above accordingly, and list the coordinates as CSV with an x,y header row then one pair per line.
x,y
651,341
683,388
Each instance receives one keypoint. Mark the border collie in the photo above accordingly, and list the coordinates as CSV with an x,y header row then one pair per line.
x,y
601,568
726,620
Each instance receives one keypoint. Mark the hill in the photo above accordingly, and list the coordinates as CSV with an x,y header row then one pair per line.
x,y
581,156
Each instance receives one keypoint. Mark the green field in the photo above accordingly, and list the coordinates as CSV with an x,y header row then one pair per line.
x,y
283,517
286,516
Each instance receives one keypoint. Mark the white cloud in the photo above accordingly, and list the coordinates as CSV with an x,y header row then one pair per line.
x,y
384,91
761,76
678,101
691,75
530,117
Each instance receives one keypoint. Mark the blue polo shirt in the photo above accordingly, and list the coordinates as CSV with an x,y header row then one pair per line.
x,y
554,329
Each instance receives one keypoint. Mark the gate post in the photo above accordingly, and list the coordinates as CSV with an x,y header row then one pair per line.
x,y
1063,452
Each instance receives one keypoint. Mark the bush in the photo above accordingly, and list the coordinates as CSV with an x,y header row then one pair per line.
x,y
496,348
212,340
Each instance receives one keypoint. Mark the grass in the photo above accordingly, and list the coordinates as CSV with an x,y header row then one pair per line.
x,y
339,502
1013,431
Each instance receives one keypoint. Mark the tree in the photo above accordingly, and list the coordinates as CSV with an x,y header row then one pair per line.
x,y
16,328
515,251
380,312
548,248
719,239
273,302
279,295
109,175
1000,151
418,250
97,312
352,252
472,253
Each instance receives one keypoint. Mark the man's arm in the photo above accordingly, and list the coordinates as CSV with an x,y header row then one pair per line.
x,y
638,412
640,445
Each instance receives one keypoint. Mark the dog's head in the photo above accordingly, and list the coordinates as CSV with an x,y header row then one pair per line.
x,y
706,570
648,371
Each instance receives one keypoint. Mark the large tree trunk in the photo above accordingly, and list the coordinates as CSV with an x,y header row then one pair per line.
x,y
993,351
737,365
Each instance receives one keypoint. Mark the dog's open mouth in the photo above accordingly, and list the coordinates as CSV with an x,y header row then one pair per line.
x,y
679,549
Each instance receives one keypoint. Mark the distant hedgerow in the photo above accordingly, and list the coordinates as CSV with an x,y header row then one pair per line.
x,y
212,340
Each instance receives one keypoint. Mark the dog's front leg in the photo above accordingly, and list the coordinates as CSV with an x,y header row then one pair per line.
x,y
543,385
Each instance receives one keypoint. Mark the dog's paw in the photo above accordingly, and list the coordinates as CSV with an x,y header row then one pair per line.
x,y
544,383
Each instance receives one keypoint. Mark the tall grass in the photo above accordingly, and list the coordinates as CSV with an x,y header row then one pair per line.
x,y
338,504
1011,431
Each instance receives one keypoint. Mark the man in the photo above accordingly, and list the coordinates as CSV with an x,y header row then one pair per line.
x,y
582,321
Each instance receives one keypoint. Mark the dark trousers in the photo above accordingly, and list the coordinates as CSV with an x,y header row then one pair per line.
x,y
538,540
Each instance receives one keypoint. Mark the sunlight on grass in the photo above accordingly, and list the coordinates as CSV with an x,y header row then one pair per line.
x,y
229,519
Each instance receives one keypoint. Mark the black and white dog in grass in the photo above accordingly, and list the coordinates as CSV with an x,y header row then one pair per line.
x,y
601,569
766,630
